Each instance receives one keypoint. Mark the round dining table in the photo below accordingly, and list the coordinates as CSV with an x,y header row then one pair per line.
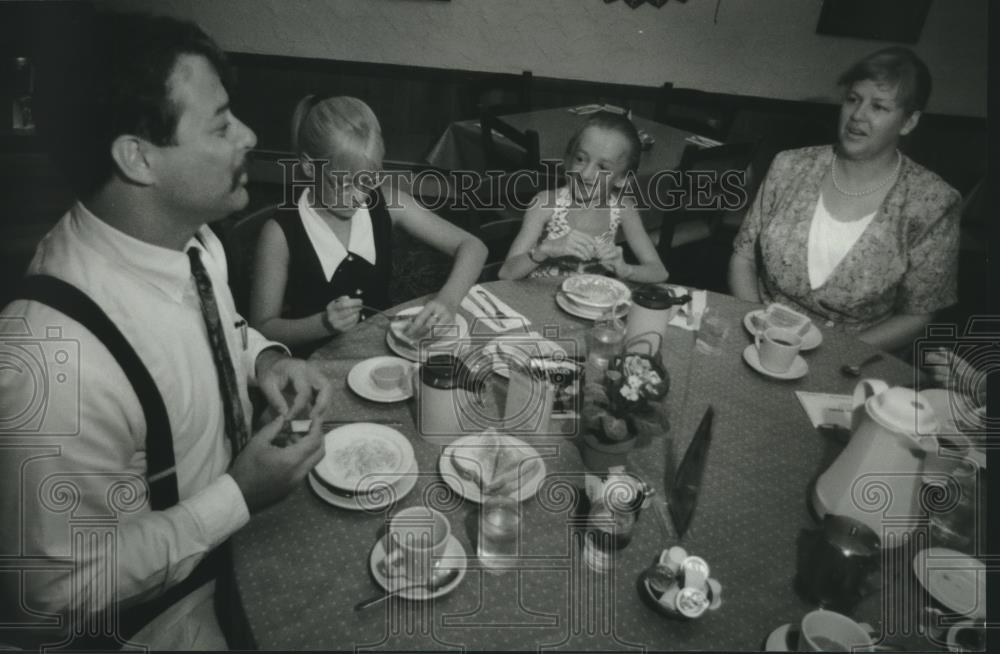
x,y
300,566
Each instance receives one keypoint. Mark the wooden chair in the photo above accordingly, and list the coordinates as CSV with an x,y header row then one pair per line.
x,y
690,223
508,93
498,236
240,242
525,153
696,111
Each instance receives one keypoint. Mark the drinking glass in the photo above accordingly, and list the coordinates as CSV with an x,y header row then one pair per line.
x,y
604,342
499,525
607,532
711,333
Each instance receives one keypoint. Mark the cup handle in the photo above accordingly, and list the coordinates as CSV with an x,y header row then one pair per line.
x,y
756,338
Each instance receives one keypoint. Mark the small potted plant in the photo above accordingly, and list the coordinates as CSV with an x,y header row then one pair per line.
x,y
624,407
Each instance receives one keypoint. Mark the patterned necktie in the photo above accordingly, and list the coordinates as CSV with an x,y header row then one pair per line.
x,y
236,426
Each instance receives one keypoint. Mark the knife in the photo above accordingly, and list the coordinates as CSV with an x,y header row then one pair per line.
x,y
687,481
497,313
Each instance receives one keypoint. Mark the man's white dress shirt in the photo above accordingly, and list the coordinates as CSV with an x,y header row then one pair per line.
x,y
88,445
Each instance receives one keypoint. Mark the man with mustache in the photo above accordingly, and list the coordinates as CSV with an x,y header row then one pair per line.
x,y
144,414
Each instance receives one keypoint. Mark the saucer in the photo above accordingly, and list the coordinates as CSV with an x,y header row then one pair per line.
x,y
956,580
569,306
375,501
454,557
359,380
779,640
812,339
798,369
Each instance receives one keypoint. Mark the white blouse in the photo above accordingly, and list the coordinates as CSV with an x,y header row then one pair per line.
x,y
829,242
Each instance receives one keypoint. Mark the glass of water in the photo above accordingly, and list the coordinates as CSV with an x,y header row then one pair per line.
x,y
711,333
499,527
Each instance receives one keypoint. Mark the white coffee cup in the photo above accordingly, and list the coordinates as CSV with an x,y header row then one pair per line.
x,y
828,631
777,348
416,541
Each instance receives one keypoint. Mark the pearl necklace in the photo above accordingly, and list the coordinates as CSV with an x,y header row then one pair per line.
x,y
868,191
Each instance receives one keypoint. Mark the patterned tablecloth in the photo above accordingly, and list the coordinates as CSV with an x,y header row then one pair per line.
x,y
300,566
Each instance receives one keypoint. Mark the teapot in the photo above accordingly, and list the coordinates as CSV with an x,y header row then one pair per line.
x,y
876,480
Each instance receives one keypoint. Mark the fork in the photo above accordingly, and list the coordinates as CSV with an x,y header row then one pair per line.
x,y
497,313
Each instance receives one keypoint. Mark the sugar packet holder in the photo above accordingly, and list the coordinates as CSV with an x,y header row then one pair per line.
x,y
680,585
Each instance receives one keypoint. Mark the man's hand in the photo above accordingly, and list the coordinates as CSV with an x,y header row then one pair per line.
x,y
266,473
276,370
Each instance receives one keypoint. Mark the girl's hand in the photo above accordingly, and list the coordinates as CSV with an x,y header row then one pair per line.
x,y
343,313
435,312
575,244
612,258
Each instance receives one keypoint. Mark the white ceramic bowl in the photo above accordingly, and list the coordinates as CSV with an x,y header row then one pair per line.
x,y
595,291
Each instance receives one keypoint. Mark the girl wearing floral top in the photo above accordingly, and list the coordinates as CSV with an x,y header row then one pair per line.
x,y
575,225
857,235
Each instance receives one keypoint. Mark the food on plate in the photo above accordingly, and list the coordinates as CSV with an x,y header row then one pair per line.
x,y
596,289
497,466
359,458
778,315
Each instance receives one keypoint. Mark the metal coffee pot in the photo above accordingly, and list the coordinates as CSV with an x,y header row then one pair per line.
x,y
838,563
876,480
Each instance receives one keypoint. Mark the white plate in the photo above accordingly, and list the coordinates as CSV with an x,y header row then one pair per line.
x,y
360,380
582,286
370,502
520,349
447,342
332,470
812,340
569,306
954,579
798,369
470,490
454,557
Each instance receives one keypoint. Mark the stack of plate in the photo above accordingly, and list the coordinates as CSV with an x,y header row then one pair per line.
x,y
367,466
592,296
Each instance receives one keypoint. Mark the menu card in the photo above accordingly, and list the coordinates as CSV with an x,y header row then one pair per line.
x,y
827,408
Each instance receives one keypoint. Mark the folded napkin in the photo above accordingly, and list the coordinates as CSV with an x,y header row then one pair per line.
x,y
689,316
827,408
483,312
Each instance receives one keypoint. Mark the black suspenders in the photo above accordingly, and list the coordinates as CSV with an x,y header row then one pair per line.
x,y
161,474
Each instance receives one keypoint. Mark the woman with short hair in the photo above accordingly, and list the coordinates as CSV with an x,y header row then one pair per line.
x,y
857,235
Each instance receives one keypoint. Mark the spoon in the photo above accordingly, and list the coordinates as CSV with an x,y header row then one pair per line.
x,y
434,583
855,370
